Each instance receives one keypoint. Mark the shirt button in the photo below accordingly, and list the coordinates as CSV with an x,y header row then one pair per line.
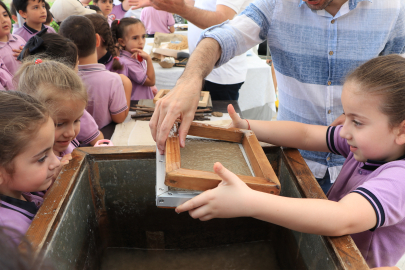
x,y
360,172
329,82
329,111
328,158
332,21
331,53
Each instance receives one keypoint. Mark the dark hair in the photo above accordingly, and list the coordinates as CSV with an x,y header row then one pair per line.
x,y
49,16
5,8
22,4
384,76
94,7
103,29
118,27
21,115
81,31
55,47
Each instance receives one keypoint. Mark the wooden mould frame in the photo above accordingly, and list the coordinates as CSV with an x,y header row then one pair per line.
x,y
265,179
202,103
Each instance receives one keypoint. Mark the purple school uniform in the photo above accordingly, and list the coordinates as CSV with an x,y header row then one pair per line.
x,y
136,72
106,93
107,61
383,185
88,129
117,12
6,52
18,214
156,20
73,144
6,79
27,32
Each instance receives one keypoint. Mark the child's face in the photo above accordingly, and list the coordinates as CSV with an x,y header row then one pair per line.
x,y
105,6
5,22
135,37
36,12
67,124
35,166
366,128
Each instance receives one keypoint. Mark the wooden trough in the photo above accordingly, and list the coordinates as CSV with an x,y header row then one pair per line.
x,y
101,214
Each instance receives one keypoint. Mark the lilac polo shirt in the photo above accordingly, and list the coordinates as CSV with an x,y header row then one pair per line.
x,y
156,20
107,61
18,214
136,72
6,52
88,129
27,32
106,93
6,79
73,144
117,12
383,185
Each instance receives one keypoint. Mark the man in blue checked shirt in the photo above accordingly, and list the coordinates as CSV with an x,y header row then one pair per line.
x,y
313,44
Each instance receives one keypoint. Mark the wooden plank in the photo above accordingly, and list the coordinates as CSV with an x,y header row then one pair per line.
x,y
172,152
55,201
258,160
202,180
346,250
121,152
160,94
217,133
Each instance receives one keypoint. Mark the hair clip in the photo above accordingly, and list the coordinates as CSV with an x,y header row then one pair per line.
x,y
116,58
118,22
38,61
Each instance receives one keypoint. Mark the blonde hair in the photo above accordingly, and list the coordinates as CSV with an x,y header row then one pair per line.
x,y
21,115
384,76
51,82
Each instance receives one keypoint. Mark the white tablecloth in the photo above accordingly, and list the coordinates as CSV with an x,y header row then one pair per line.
x,y
256,97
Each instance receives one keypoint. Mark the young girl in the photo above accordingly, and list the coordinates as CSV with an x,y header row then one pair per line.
x,y
130,34
63,92
61,49
367,200
27,162
9,44
105,6
118,11
6,79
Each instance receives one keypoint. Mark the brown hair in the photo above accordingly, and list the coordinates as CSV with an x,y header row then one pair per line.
x,y
21,116
384,76
51,82
57,47
81,31
118,27
49,16
102,28
5,7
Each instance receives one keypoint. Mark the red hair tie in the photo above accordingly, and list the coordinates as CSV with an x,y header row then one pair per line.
x,y
116,58
118,22
38,61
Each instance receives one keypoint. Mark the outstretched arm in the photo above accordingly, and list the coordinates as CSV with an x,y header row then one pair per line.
x,y
182,101
233,198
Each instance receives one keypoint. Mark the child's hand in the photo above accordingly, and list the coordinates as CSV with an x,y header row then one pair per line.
x,y
154,90
230,199
17,51
64,161
237,122
140,53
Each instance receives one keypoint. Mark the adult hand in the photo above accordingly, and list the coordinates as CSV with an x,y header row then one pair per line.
x,y
339,121
135,4
181,103
230,199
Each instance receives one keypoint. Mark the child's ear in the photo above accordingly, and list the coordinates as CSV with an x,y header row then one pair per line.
x,y
98,40
121,42
23,14
14,17
400,140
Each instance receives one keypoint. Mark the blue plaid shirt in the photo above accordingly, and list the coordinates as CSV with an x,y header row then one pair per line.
x,y
312,52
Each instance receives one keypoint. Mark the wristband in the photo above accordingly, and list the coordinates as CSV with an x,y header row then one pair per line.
x,y
248,124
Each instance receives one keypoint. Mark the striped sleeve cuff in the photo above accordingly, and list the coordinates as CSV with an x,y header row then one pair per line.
x,y
372,199
120,110
330,140
92,137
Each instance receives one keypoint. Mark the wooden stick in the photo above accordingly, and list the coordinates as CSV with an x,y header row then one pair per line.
x,y
143,109
142,115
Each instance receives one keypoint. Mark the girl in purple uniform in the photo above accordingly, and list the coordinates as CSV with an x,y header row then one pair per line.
x,y
28,164
367,200
138,67
62,90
